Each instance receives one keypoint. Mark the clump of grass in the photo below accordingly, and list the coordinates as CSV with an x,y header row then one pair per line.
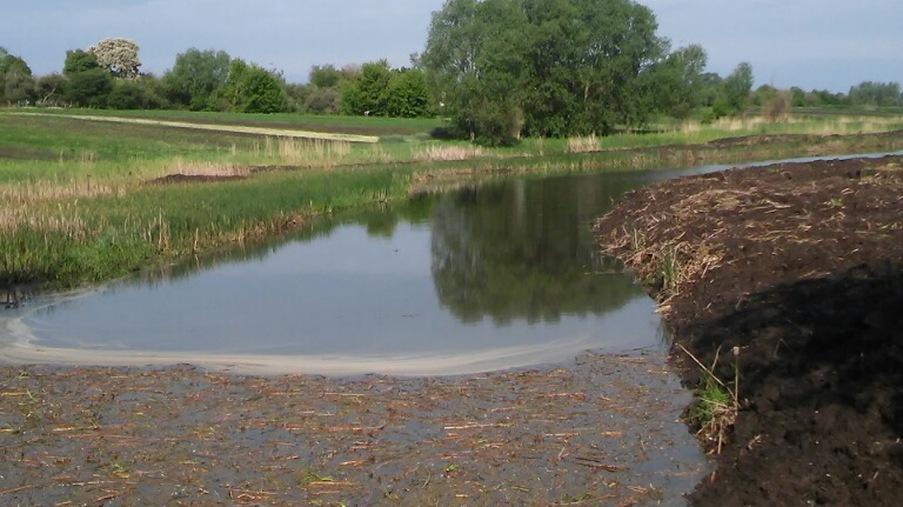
x,y
717,405
438,153
669,271
583,144
303,152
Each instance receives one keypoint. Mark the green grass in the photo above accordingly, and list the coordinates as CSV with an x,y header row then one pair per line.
x,y
371,125
78,208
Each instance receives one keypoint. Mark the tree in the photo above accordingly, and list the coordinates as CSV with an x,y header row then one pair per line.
x,y
49,89
16,81
251,89
408,95
325,76
737,87
196,77
473,63
87,83
323,101
366,94
542,67
870,93
118,55
79,61
89,88
677,83
18,86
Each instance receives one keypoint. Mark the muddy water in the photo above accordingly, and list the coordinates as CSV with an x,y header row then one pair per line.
x,y
501,275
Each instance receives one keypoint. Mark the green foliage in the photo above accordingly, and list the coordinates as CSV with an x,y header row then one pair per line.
x,y
16,82
381,91
408,94
251,89
89,88
678,83
712,399
323,101
325,76
543,67
143,93
49,89
737,87
196,78
870,93
79,61
366,94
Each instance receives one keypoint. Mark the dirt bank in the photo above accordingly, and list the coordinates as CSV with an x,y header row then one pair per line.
x,y
605,431
798,265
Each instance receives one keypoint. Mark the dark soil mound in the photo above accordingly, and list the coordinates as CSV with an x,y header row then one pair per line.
x,y
799,265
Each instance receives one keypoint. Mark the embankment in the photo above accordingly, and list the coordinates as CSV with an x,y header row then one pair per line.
x,y
800,266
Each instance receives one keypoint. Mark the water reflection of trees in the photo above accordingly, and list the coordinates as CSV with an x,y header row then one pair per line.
x,y
524,250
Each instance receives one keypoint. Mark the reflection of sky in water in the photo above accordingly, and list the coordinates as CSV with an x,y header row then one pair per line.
x,y
504,265
507,264
345,293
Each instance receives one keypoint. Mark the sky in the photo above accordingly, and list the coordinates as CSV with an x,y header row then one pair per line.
x,y
809,43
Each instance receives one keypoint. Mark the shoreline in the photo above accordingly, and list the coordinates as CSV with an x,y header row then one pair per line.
x,y
798,267
178,232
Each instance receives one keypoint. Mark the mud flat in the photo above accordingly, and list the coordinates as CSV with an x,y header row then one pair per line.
x,y
605,430
799,266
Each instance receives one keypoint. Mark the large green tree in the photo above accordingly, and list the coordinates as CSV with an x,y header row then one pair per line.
x,y
542,67
196,78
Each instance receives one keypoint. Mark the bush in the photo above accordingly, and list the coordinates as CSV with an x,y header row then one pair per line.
x,y
323,101
778,107
251,89
135,94
89,88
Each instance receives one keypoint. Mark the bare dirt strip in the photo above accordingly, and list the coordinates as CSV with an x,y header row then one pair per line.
x,y
233,129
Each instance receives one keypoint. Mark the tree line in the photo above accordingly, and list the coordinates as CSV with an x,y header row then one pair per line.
x,y
107,75
499,69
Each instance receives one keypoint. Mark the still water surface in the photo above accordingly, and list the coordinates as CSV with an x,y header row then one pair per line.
x,y
501,275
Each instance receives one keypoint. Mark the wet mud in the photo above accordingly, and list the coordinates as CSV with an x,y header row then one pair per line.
x,y
605,430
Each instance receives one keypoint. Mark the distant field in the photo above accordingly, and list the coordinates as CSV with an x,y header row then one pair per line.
x,y
370,126
291,133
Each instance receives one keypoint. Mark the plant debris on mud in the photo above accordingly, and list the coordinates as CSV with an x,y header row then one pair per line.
x,y
605,431
799,268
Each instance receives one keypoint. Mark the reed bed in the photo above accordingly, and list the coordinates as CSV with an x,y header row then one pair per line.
x,y
439,153
584,144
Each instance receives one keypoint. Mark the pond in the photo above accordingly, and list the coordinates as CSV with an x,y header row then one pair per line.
x,y
505,274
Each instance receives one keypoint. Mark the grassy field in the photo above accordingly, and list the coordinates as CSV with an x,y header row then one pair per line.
x,y
79,206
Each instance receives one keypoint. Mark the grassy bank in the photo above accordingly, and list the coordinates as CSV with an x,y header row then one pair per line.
x,y
81,208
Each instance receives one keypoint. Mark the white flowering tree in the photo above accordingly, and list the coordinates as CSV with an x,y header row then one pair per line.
x,y
118,55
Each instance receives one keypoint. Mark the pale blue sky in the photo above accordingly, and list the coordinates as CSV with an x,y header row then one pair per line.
x,y
812,43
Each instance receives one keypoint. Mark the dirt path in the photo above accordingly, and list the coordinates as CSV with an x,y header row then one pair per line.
x,y
605,431
800,266
236,129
